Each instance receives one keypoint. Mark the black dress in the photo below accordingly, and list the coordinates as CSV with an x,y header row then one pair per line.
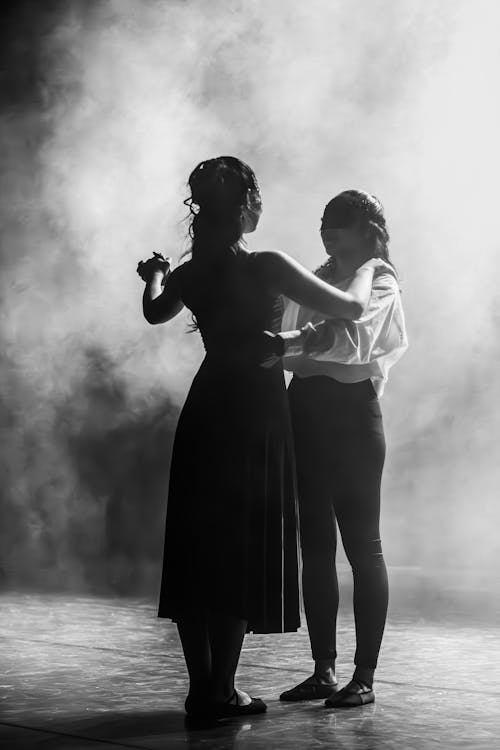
x,y
231,530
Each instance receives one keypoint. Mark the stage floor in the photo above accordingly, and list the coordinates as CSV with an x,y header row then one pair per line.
x,y
86,672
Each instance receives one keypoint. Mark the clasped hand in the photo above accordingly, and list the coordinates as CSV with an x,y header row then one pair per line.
x,y
310,339
158,264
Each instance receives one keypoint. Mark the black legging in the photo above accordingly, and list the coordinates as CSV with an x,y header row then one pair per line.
x,y
340,451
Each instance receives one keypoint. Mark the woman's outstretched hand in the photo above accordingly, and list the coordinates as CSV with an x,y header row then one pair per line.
x,y
158,264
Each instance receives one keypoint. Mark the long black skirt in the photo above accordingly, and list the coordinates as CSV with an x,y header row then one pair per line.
x,y
231,528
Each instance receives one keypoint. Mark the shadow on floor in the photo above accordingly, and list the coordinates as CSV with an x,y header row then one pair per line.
x,y
125,729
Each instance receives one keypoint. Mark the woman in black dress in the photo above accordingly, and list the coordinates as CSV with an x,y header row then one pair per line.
x,y
230,561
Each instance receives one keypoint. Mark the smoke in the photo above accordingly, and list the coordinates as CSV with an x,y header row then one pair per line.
x,y
107,106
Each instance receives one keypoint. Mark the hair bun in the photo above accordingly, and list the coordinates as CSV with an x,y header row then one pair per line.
x,y
221,184
219,188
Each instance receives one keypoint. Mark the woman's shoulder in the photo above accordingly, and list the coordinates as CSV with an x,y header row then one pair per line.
x,y
270,266
268,256
386,278
386,287
270,262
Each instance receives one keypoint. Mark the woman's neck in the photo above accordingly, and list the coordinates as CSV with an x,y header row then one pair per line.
x,y
344,269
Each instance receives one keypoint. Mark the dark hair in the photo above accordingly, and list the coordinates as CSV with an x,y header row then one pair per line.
x,y
220,187
356,207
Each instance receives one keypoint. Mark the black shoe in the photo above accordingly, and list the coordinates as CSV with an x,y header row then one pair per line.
x,y
352,695
309,690
227,709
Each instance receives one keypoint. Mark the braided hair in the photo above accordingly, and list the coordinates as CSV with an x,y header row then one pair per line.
x,y
356,207
220,189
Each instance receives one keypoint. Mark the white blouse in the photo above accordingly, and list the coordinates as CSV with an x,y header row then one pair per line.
x,y
363,348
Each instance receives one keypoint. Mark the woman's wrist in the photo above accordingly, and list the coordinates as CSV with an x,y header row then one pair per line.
x,y
155,278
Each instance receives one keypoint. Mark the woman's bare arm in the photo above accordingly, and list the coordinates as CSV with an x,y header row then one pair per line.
x,y
162,303
286,276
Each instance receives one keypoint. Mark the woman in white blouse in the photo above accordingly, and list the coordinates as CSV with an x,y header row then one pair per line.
x,y
340,446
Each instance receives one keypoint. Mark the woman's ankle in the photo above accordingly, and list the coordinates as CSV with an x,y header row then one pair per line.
x,y
200,687
222,693
364,675
324,669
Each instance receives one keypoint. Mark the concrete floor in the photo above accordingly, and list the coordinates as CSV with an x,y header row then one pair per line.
x,y
82,672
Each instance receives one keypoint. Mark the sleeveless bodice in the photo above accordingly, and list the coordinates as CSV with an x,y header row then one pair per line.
x,y
231,303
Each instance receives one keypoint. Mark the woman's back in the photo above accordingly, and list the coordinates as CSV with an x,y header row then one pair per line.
x,y
232,498
230,301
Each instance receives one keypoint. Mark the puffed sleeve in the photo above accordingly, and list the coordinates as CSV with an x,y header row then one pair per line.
x,y
379,333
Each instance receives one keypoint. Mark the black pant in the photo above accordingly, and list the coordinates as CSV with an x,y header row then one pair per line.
x,y
340,451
